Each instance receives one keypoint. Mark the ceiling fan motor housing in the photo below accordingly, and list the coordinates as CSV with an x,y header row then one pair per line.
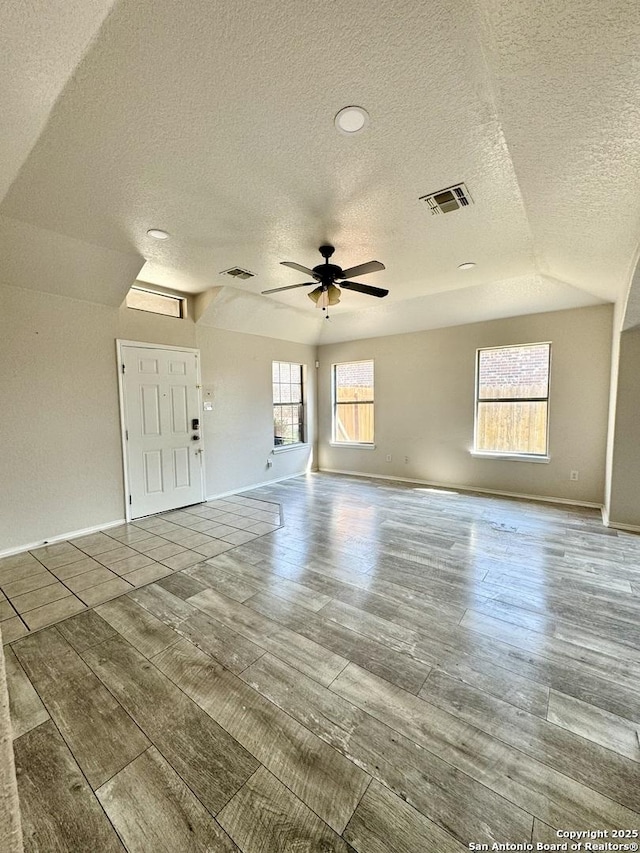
x,y
327,272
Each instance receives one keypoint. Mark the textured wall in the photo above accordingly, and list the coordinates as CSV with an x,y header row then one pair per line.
x,y
61,466
238,433
424,407
624,503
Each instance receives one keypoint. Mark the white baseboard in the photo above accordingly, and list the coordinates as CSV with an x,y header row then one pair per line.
x,y
73,534
436,485
254,486
628,528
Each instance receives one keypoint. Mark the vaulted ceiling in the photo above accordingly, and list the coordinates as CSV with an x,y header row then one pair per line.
x,y
214,121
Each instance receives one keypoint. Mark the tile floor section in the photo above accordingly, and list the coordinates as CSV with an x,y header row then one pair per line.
x,y
49,584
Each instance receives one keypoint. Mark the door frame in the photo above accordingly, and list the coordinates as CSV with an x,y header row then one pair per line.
x,y
120,344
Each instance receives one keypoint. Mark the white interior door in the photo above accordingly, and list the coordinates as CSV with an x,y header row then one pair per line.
x,y
161,418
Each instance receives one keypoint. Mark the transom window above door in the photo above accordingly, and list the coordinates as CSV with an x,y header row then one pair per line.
x,y
141,299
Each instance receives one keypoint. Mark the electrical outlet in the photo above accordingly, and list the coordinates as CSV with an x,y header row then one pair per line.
x,y
573,475
388,457
269,463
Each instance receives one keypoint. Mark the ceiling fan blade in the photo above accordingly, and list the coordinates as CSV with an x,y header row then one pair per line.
x,y
363,269
298,267
364,288
290,287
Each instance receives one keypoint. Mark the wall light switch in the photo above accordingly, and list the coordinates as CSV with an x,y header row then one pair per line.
x,y
207,406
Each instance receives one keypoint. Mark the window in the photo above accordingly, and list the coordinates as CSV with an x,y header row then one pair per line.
x,y
353,402
512,400
288,408
158,303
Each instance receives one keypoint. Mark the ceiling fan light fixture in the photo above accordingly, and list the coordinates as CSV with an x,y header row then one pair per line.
x,y
350,120
158,234
325,298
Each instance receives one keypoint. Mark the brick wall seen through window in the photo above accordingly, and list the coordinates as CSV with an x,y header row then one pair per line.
x,y
512,399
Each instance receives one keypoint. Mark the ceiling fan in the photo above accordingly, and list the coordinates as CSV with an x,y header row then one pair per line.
x,y
326,275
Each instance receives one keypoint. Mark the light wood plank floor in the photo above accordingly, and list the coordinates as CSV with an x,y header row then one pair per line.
x,y
395,669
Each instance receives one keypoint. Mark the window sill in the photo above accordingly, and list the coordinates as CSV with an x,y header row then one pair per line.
x,y
285,448
354,444
510,457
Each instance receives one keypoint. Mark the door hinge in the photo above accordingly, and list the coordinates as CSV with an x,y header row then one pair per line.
x,y
123,368
130,500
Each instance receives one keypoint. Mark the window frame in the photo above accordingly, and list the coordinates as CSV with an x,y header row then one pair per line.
x,y
517,455
179,298
335,441
280,448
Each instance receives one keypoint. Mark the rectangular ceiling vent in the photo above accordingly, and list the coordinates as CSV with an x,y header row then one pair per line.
x,y
448,199
238,272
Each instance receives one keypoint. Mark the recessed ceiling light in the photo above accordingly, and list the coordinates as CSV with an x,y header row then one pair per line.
x,y
157,234
468,265
351,120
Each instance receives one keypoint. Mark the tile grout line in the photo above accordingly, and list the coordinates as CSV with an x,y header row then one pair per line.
x,y
328,686
397,733
248,666
95,558
191,699
360,799
204,711
133,720
68,746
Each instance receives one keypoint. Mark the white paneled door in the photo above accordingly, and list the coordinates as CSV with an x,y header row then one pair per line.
x,y
162,435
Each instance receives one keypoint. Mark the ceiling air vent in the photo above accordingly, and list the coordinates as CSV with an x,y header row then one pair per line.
x,y
451,198
238,272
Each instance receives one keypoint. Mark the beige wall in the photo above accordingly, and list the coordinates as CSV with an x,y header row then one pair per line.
x,y
61,465
424,391
155,329
624,500
238,433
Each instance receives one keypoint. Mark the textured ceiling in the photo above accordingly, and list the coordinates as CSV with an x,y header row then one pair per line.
x,y
41,43
215,121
